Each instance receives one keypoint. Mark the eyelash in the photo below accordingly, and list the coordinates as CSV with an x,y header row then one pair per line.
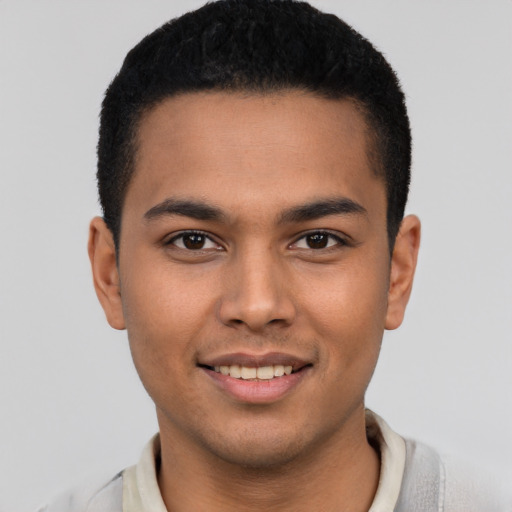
x,y
339,241
190,233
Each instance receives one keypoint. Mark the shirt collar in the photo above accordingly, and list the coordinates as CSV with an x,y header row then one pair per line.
x,y
392,462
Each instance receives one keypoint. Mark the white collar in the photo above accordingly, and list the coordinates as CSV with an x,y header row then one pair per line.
x,y
392,462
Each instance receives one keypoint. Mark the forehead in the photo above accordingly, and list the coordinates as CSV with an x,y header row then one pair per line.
x,y
239,149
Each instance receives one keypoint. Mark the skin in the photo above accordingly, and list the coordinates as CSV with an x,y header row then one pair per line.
x,y
259,284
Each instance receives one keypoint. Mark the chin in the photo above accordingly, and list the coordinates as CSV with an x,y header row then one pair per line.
x,y
261,449
257,457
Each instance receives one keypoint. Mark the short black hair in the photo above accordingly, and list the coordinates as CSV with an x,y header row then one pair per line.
x,y
259,46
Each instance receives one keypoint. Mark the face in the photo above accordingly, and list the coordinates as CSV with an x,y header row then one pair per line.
x,y
254,272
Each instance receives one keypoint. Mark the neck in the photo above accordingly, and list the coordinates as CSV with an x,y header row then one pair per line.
x,y
339,474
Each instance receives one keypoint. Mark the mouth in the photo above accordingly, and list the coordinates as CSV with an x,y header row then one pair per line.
x,y
253,372
256,379
267,366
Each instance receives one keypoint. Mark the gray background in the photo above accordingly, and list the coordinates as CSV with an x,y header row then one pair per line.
x,y
71,401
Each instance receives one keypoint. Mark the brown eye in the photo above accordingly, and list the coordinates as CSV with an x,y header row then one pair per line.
x,y
317,240
194,241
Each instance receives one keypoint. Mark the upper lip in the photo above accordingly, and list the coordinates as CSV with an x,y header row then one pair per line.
x,y
256,360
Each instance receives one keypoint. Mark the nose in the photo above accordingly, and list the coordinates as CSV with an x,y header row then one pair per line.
x,y
256,293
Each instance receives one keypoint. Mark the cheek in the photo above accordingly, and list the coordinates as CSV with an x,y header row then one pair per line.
x,y
164,311
350,312
166,297
161,322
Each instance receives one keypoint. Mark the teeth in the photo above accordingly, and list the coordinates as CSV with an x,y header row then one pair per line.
x,y
235,371
247,373
265,372
278,370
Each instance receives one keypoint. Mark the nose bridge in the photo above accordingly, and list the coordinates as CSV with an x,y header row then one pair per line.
x,y
255,293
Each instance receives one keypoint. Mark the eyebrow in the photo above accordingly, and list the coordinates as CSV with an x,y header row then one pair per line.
x,y
186,208
322,208
302,213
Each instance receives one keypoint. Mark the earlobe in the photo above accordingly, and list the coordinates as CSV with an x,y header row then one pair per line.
x,y
403,266
102,254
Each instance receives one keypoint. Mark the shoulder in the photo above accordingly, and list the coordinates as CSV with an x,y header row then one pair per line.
x,y
96,495
432,482
468,488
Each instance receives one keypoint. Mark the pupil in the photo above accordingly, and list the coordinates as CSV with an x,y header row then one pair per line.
x,y
318,240
194,241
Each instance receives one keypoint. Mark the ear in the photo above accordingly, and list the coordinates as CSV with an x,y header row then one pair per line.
x,y
403,265
102,253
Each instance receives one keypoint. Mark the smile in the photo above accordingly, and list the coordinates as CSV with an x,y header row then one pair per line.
x,y
256,379
254,373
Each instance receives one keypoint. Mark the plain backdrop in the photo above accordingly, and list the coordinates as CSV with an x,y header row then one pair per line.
x,y
71,402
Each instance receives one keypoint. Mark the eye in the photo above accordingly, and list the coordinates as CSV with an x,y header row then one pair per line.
x,y
193,241
318,240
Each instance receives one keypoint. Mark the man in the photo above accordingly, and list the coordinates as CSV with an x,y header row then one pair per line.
x,y
253,170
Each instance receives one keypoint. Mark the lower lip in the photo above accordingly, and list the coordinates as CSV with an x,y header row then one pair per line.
x,y
258,391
